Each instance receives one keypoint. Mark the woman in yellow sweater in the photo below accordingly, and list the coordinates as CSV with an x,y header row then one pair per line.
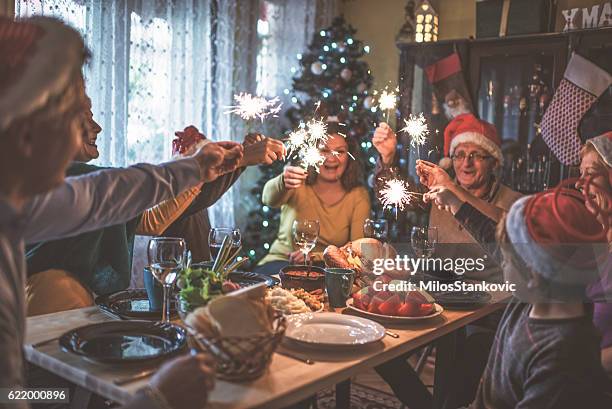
x,y
335,196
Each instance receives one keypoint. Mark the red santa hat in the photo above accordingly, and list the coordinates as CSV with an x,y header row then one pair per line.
x,y
39,58
467,128
556,236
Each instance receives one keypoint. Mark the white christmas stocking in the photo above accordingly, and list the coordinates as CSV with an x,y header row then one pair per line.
x,y
583,82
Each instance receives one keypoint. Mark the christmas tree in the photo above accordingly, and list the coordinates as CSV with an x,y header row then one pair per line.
x,y
331,73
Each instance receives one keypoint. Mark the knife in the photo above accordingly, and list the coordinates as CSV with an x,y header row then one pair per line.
x,y
307,361
135,377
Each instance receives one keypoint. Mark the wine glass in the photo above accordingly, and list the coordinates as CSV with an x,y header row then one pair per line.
x,y
166,258
377,229
423,240
216,237
305,235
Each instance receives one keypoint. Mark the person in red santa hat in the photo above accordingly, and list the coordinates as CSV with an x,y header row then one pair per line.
x,y
546,350
472,146
554,246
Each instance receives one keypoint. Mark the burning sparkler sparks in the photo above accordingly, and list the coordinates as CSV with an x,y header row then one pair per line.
x,y
395,193
296,139
249,107
417,128
387,101
317,131
311,156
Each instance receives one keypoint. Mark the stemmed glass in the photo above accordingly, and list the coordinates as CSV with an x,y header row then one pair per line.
x,y
167,259
377,229
216,236
305,235
423,240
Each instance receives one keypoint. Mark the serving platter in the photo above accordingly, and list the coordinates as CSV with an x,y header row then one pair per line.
x,y
327,329
393,318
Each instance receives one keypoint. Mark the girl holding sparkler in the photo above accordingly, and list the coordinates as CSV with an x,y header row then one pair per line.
x,y
335,195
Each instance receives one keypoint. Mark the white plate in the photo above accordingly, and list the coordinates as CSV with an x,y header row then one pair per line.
x,y
332,330
394,318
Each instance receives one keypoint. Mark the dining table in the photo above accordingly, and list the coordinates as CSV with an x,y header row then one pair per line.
x,y
289,379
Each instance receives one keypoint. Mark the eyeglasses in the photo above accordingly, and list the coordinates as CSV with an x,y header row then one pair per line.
x,y
476,157
328,153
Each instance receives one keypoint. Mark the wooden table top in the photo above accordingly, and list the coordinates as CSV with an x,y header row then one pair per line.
x,y
287,381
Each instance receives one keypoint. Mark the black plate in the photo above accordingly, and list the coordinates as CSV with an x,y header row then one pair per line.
x,y
124,341
247,279
132,304
243,278
456,300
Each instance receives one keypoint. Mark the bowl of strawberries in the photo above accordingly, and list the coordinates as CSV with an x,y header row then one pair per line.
x,y
392,304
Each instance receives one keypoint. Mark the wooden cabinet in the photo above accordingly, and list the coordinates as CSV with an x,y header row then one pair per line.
x,y
511,80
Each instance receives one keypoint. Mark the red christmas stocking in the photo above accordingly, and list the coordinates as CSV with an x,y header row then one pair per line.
x,y
583,82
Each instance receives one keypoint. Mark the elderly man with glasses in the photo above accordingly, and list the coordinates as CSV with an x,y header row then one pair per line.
x,y
474,149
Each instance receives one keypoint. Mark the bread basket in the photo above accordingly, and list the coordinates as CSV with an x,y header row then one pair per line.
x,y
242,358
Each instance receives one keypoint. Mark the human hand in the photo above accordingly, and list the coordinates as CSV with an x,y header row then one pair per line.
x,y
185,381
385,142
294,177
251,138
259,149
296,257
218,158
432,175
444,198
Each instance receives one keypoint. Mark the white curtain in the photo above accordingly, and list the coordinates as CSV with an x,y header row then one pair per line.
x,y
160,65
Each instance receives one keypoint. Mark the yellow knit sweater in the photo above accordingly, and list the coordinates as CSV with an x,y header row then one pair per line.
x,y
339,223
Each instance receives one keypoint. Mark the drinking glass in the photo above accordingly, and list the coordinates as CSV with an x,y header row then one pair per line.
x,y
216,236
377,229
423,240
166,258
305,235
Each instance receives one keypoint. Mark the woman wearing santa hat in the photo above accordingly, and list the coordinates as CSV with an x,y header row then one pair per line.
x,y
474,149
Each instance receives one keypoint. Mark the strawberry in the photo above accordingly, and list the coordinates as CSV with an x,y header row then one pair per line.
x,y
426,309
374,306
384,295
419,297
407,310
386,279
357,297
365,301
390,306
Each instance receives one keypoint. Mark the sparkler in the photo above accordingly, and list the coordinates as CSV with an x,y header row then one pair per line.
x,y
387,101
395,194
296,139
416,128
250,107
317,131
311,156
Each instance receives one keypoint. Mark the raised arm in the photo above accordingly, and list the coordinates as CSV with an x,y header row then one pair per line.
x,y
99,199
278,190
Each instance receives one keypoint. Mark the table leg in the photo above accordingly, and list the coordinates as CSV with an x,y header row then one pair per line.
x,y
445,375
81,398
343,395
